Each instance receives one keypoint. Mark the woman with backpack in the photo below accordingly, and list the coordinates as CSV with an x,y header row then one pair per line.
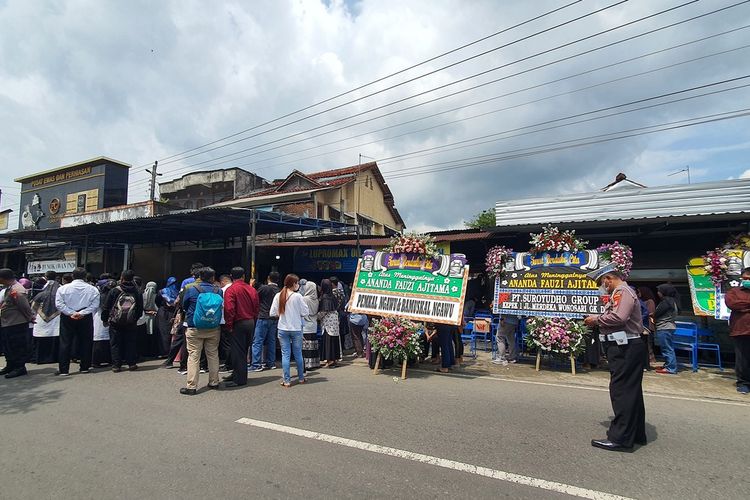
x,y
291,309
123,309
665,317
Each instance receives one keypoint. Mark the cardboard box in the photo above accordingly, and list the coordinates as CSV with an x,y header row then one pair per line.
x,y
482,325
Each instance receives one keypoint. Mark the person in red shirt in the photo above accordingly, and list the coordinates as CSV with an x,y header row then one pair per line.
x,y
241,308
738,301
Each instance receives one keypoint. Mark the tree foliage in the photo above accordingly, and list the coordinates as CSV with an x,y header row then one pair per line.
x,y
482,220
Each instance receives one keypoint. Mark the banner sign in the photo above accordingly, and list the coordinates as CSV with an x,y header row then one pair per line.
x,y
325,259
708,299
550,284
59,266
411,287
702,289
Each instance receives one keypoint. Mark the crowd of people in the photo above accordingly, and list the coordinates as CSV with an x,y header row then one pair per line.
x,y
203,324
206,322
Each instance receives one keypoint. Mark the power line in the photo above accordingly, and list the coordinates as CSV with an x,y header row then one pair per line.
x,y
378,80
619,2
391,159
740,113
579,115
493,69
436,88
580,89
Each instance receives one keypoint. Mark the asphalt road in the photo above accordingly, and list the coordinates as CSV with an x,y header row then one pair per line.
x,y
130,435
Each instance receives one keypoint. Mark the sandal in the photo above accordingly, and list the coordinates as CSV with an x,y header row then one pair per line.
x,y
285,385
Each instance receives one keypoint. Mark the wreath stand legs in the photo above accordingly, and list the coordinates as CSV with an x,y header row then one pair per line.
x,y
403,368
377,364
572,362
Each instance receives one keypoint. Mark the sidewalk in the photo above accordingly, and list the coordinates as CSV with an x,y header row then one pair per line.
x,y
706,383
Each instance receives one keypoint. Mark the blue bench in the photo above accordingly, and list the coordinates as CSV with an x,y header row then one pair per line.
x,y
689,338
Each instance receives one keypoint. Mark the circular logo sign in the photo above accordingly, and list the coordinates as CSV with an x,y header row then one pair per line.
x,y
54,206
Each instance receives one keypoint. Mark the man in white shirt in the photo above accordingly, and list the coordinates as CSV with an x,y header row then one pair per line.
x,y
77,303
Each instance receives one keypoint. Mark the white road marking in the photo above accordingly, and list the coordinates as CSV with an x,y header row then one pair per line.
x,y
436,461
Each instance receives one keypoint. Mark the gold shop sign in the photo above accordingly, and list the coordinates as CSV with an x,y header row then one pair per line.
x,y
60,177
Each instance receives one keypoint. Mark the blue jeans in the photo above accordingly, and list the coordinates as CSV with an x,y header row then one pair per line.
x,y
665,338
291,342
265,334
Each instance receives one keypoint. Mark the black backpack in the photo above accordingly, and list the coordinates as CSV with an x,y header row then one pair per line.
x,y
124,311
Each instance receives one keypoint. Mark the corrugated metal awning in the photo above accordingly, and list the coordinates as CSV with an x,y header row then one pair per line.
x,y
696,200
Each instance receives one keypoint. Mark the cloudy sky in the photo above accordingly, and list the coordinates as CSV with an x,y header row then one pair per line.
x,y
140,81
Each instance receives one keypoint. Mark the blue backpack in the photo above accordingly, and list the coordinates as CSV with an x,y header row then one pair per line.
x,y
208,309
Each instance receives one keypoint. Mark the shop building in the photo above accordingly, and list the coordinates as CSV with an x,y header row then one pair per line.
x,y
356,195
47,197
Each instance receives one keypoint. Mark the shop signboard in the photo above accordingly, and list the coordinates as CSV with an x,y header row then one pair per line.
x,y
550,284
410,286
325,259
42,266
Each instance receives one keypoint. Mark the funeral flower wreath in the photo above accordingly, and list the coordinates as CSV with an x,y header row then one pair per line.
x,y
557,335
551,239
619,254
716,262
414,243
496,259
395,338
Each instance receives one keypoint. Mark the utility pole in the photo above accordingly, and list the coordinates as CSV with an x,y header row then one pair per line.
x,y
359,194
153,173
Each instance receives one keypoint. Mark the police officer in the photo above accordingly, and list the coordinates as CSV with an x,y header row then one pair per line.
x,y
620,329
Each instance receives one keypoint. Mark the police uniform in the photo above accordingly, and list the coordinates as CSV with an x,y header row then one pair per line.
x,y
622,313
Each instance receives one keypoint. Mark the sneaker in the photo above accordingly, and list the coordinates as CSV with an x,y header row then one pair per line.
x,y
168,366
84,371
116,369
58,373
132,368
500,362
743,389
663,371
203,370
255,369
181,372
272,367
513,361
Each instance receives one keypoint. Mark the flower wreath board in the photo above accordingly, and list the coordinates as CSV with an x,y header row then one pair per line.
x,y
711,275
554,284
410,281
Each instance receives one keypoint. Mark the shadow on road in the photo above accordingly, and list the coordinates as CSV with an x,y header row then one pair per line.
x,y
25,394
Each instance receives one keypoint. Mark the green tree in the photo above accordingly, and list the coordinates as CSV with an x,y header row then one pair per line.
x,y
482,220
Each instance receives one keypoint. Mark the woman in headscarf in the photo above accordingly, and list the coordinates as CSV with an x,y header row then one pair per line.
x,y
150,308
665,317
328,316
310,349
46,330
165,317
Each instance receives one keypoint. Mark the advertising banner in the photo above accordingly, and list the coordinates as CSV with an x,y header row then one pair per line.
x,y
550,284
42,266
411,287
325,259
